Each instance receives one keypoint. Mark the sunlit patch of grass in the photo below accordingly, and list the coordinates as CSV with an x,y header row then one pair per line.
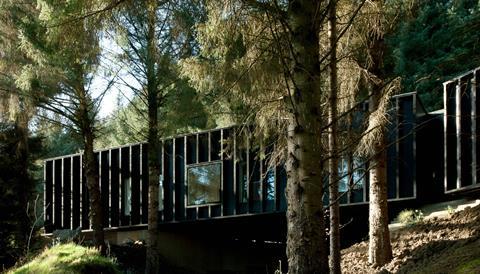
x,y
472,266
410,216
69,258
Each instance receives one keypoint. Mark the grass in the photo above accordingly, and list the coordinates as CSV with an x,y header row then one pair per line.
x,y
410,216
69,258
472,266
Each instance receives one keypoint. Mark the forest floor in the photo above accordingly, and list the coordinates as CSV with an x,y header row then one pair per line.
x,y
446,244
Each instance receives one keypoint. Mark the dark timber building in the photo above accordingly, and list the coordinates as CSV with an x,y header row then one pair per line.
x,y
218,196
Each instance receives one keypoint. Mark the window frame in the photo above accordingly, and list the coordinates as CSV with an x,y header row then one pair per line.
x,y
187,183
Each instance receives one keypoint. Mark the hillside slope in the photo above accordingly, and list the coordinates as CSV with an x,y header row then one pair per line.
x,y
68,258
438,245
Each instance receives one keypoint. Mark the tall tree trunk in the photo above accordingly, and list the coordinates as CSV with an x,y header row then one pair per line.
x,y
153,251
86,124
22,156
380,249
96,210
306,245
333,178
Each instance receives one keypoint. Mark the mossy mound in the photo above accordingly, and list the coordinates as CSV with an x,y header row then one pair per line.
x,y
69,258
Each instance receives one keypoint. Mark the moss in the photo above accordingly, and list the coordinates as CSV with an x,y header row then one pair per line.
x,y
472,266
69,258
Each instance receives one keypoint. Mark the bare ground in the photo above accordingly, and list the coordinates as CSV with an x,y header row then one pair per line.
x,y
438,245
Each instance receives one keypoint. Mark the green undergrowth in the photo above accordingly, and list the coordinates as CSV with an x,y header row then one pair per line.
x,y
472,266
410,216
69,258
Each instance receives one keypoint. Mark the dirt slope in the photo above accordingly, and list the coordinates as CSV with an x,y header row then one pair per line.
x,y
437,245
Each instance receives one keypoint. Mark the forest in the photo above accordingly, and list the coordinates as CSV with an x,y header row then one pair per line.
x,y
77,76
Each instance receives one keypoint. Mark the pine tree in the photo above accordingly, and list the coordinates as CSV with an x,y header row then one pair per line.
x,y
65,52
265,56
152,36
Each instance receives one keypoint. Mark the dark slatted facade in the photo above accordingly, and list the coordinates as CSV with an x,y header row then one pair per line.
x,y
461,128
212,174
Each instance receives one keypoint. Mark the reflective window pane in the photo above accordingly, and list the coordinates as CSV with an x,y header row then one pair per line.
x,y
270,185
204,184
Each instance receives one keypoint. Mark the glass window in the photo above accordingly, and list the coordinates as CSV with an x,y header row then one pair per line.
x,y
160,193
204,184
354,181
242,179
127,196
270,185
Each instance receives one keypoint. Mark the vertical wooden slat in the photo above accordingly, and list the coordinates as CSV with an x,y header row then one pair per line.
x,y
473,114
71,193
109,187
168,180
397,146
162,168
76,192
197,148
185,175
101,185
451,140
81,190
476,117
45,191
126,186
48,196
209,146
261,179
458,119
120,187
145,176
135,158
173,178
466,132
66,192
54,196
248,171
414,145
445,135
235,175
131,182
85,200
179,173
366,183
62,193
104,176
57,194
115,187
222,189
141,183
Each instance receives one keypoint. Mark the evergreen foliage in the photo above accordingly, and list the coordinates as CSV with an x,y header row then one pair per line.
x,y
435,41
183,111
200,64
16,187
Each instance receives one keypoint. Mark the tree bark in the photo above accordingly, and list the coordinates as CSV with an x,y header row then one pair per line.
x,y
25,186
91,168
96,210
333,178
306,243
153,251
380,249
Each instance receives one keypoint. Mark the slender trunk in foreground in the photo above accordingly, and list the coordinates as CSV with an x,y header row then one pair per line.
x,y
306,243
153,251
333,178
90,165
